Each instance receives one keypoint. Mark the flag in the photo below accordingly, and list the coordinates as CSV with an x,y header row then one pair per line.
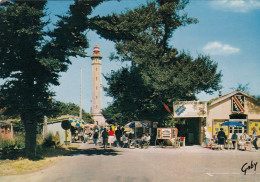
x,y
167,108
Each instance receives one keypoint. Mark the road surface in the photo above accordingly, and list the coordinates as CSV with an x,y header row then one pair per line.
x,y
190,163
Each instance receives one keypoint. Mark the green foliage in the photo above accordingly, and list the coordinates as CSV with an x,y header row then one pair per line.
x,y
16,143
6,143
61,108
32,56
159,73
19,141
113,115
242,87
157,20
51,140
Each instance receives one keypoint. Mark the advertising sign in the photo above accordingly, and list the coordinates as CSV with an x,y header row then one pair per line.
x,y
165,133
238,103
192,109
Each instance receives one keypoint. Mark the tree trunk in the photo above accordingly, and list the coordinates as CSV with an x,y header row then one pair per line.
x,y
30,138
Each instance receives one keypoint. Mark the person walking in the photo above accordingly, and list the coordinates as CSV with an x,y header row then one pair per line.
x,y
85,137
255,137
221,138
105,138
111,137
118,134
207,136
95,138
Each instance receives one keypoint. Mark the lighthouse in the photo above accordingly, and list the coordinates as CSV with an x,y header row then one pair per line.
x,y
97,88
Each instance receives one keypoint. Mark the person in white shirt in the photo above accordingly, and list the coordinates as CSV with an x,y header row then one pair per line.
x,y
246,136
207,136
148,138
145,139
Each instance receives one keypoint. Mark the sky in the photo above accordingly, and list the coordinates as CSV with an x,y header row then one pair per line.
x,y
228,31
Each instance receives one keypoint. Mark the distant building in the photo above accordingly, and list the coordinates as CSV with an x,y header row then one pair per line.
x,y
235,106
97,89
8,128
54,127
67,127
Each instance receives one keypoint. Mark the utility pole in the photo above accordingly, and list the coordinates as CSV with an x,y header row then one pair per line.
x,y
80,107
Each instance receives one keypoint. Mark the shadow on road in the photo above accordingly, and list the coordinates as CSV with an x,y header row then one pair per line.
x,y
91,152
42,153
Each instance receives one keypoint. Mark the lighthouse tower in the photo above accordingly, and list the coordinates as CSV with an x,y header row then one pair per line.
x,y
97,88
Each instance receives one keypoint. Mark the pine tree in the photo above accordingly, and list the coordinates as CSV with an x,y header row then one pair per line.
x,y
159,73
32,56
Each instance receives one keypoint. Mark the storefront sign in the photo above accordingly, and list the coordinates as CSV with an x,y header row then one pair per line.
x,y
190,109
238,103
165,133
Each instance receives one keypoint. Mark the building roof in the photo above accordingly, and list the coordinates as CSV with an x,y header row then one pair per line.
x,y
9,121
224,97
59,119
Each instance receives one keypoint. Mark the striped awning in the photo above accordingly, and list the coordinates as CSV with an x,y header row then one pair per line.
x,y
76,121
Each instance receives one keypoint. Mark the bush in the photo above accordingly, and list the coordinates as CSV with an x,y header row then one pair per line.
x,y
51,140
17,142
7,143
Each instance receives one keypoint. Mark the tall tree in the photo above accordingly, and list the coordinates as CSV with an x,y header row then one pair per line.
x,y
31,58
159,73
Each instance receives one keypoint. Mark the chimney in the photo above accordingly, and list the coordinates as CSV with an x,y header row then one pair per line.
x,y
219,93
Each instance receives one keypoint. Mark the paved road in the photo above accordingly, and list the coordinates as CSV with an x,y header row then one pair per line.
x,y
191,163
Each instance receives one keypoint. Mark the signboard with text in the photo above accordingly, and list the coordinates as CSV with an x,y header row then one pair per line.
x,y
184,109
165,133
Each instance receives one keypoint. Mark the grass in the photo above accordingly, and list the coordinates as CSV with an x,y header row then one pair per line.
x,y
15,164
22,166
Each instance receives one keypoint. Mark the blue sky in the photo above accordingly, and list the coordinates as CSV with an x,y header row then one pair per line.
x,y
228,31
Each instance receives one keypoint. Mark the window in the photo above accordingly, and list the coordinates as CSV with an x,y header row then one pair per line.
x,y
239,129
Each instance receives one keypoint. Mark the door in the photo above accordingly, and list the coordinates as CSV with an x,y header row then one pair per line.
x,y
192,131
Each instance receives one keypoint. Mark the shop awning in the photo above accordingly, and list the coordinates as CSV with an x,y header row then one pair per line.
x,y
76,121
232,124
136,124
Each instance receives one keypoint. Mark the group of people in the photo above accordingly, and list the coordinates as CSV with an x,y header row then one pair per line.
x,y
144,141
115,136
220,138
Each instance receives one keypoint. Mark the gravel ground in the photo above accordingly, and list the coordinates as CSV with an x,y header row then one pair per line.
x,y
190,163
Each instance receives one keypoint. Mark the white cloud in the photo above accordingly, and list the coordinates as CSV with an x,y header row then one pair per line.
x,y
241,6
217,48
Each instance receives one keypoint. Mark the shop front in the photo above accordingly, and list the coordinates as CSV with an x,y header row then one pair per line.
x,y
68,128
192,115
235,106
